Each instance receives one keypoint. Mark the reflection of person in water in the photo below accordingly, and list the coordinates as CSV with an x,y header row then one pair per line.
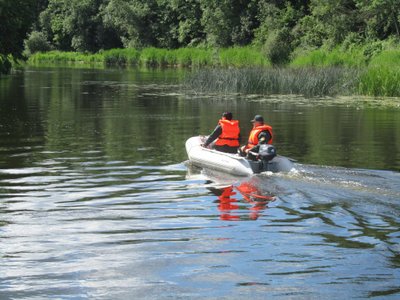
x,y
228,205
253,196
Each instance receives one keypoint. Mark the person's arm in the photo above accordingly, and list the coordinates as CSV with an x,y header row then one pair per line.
x,y
264,137
255,149
214,135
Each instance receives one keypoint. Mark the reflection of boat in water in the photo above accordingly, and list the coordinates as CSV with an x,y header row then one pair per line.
x,y
233,163
230,207
238,199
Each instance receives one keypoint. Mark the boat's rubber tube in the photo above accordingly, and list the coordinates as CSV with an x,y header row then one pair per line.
x,y
232,163
208,158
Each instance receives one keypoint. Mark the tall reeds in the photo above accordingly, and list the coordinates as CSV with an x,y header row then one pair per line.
x,y
304,81
65,57
156,57
380,81
382,76
120,57
331,58
246,70
242,57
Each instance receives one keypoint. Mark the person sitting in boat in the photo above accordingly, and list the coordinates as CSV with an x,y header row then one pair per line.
x,y
226,134
260,134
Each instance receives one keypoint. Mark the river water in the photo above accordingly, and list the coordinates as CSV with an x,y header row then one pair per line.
x,y
97,200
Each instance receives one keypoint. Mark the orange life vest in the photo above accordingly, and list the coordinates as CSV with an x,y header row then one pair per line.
x,y
230,133
253,137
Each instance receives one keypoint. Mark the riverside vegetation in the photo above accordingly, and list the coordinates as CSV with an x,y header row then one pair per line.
x,y
247,70
356,42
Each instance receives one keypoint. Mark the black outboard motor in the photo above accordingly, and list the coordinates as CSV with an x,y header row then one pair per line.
x,y
262,160
266,152
266,159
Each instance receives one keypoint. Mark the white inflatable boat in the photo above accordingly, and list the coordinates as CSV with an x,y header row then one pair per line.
x,y
233,163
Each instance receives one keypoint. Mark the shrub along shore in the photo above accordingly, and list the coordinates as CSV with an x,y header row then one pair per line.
x,y
360,70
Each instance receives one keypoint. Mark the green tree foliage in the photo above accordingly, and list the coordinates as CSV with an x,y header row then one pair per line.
x,y
278,47
190,29
77,25
16,18
36,42
381,17
229,22
132,20
278,27
329,23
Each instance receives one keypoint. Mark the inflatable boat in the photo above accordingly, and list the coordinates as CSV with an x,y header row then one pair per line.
x,y
264,161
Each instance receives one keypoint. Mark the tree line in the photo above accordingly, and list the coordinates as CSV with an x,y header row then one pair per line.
x,y
278,27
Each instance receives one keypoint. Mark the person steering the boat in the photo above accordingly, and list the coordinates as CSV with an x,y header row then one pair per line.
x,y
226,134
260,134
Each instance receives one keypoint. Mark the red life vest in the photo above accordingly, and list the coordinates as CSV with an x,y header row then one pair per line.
x,y
230,133
253,137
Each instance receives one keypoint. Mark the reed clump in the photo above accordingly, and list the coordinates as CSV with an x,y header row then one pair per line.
x,y
157,57
120,57
382,76
65,57
299,81
147,57
380,81
354,57
242,57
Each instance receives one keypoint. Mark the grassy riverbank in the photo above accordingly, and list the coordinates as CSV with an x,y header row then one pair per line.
x,y
378,70
360,70
154,57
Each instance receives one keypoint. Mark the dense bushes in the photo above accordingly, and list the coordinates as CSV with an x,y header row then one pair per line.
x,y
16,18
5,65
280,26
278,47
36,42
282,29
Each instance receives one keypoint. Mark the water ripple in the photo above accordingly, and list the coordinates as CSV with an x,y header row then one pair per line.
x,y
74,225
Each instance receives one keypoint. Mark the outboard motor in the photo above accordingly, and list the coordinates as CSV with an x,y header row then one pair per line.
x,y
266,159
262,160
266,152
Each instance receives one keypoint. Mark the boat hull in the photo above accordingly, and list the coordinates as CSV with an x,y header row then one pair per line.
x,y
232,163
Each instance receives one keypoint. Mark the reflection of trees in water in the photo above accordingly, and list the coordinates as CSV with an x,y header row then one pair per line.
x,y
141,115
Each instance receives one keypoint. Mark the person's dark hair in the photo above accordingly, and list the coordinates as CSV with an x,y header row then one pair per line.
x,y
227,115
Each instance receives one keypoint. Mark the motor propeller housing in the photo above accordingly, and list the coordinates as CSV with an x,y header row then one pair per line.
x,y
267,152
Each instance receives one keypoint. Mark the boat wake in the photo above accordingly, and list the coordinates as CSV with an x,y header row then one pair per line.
x,y
366,190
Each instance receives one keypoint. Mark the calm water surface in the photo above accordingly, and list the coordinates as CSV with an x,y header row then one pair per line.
x,y
96,200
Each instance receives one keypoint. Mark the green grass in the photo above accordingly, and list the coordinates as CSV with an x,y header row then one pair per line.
x,y
194,57
65,57
363,70
242,57
330,58
120,57
380,81
382,76
156,57
386,58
